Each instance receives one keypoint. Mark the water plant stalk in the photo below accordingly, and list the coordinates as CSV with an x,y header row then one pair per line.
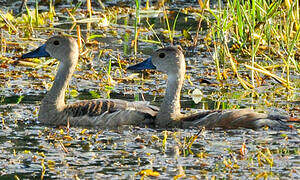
x,y
36,13
137,21
168,24
89,7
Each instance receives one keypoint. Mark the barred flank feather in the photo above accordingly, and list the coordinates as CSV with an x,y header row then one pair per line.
x,y
90,108
106,113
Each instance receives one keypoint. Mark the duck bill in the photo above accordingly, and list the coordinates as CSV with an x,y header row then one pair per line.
x,y
147,64
39,52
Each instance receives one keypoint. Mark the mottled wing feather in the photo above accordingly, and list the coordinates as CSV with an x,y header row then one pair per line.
x,y
98,107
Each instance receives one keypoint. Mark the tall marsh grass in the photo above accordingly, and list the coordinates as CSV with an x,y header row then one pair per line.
x,y
260,30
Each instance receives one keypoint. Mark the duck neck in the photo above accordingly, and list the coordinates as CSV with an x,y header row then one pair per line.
x,y
170,107
56,95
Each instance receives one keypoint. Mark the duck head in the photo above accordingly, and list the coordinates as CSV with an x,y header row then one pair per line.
x,y
62,48
169,60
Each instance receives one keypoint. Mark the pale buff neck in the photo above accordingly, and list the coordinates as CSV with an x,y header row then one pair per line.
x,y
170,107
56,95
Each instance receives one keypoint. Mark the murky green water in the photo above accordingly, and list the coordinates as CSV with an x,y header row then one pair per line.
x,y
30,150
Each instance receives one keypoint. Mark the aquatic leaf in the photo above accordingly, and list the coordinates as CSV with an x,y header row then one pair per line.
x,y
268,152
19,99
83,131
178,176
27,151
148,172
189,79
227,163
268,159
93,36
164,142
68,138
150,41
186,34
202,155
51,163
74,93
67,144
41,154
94,94
197,96
224,74
113,32
262,175
191,141
155,138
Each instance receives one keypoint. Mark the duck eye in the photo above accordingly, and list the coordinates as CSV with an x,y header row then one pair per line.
x,y
162,55
56,43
